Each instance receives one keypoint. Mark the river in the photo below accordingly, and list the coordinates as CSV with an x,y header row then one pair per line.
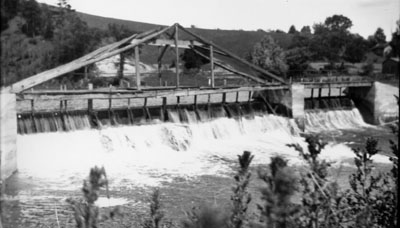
x,y
52,165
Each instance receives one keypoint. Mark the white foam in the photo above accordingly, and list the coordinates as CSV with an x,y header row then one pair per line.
x,y
151,154
331,120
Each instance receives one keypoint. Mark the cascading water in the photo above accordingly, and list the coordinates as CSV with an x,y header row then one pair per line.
x,y
330,120
148,154
332,114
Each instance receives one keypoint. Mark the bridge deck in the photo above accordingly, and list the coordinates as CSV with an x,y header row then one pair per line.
x,y
132,93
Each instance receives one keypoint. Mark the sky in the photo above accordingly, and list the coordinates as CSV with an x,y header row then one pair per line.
x,y
366,15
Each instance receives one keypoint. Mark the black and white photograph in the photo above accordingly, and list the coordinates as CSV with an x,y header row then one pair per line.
x,y
199,114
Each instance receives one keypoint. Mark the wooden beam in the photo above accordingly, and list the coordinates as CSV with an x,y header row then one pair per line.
x,y
212,66
215,51
177,56
181,43
137,67
117,94
270,75
77,64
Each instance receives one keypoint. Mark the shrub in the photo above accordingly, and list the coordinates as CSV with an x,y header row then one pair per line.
x,y
277,209
156,213
206,217
320,199
241,197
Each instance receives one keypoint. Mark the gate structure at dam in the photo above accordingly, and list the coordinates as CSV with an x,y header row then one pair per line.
x,y
25,111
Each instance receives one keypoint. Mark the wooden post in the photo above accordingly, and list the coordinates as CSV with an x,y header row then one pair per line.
x,y
86,73
329,91
340,91
90,101
178,100
159,66
312,92
319,93
32,107
223,98
164,102
237,97
177,56
249,96
137,67
212,66
164,109
195,101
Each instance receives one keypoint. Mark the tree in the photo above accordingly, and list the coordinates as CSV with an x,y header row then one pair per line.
x,y
379,36
31,11
331,38
395,42
298,60
268,55
72,37
276,209
193,60
9,9
292,30
356,49
338,23
306,30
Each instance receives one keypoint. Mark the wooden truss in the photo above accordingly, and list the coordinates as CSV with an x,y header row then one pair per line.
x,y
154,38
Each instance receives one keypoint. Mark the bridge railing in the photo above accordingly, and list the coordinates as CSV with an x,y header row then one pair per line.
x,y
332,79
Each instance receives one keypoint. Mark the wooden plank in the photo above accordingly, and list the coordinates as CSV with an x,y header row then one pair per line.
x,y
270,75
74,65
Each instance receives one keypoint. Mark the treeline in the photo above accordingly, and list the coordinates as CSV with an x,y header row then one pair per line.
x,y
36,37
330,42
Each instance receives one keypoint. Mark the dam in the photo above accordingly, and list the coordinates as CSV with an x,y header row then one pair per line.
x,y
150,135
26,111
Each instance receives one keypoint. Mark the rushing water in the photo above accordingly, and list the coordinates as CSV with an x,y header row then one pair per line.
x,y
192,144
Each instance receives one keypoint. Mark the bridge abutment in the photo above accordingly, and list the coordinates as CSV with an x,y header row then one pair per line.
x,y
8,135
377,104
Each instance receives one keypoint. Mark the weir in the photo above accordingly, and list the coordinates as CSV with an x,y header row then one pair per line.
x,y
24,111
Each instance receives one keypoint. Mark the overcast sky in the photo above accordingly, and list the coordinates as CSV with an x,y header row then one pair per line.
x,y
366,15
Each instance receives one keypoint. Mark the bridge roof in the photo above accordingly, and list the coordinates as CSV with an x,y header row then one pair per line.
x,y
224,58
